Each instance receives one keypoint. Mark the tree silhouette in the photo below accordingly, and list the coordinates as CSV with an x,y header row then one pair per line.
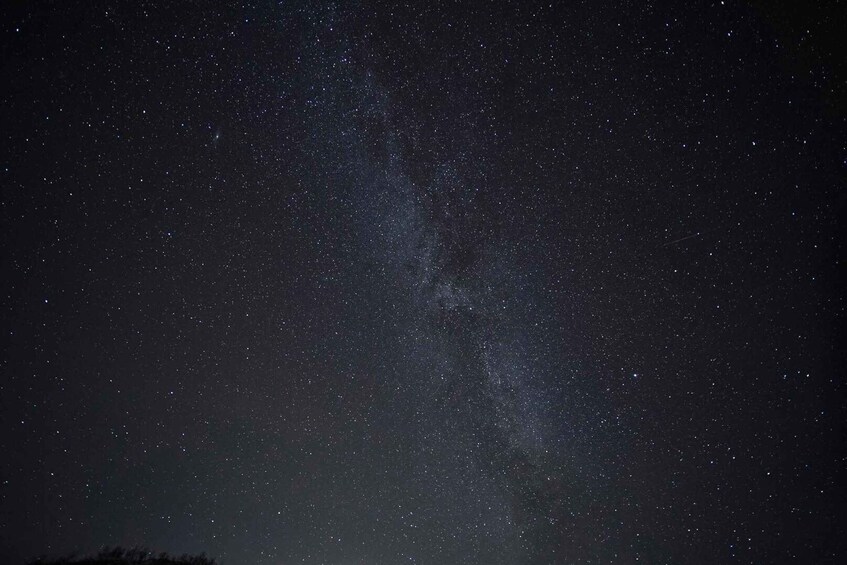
x,y
120,556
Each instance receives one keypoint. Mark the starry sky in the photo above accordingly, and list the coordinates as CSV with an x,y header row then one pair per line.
x,y
432,283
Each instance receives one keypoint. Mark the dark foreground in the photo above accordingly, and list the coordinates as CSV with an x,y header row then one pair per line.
x,y
120,556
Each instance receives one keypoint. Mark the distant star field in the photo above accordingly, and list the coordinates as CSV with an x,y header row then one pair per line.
x,y
431,283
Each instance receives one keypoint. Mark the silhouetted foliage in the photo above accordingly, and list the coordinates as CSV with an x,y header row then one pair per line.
x,y
120,556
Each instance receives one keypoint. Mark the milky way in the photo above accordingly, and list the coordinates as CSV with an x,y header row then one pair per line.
x,y
437,284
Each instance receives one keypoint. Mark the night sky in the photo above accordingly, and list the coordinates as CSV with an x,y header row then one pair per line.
x,y
474,283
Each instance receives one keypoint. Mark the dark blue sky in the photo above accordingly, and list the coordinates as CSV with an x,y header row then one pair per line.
x,y
435,284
